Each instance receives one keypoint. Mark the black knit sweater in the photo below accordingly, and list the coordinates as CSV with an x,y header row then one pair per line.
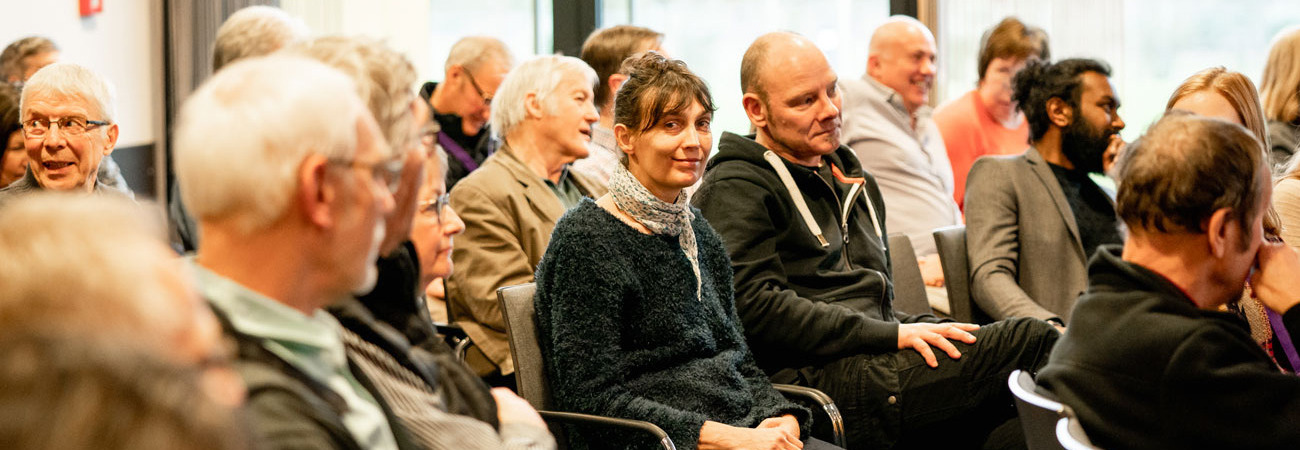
x,y
624,335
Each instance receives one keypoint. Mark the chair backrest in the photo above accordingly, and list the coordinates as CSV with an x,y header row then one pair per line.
x,y
1038,413
951,242
909,286
521,326
1070,433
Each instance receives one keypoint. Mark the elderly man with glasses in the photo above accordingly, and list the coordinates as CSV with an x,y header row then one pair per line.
x,y
67,117
544,114
292,212
462,102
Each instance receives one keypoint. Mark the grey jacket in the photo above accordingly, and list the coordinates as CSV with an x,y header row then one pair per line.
x,y
27,184
1026,257
910,165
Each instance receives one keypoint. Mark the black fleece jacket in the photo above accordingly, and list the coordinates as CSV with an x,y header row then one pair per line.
x,y
624,334
801,303
1143,367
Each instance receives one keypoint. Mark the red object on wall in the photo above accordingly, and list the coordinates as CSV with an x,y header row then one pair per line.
x,y
91,7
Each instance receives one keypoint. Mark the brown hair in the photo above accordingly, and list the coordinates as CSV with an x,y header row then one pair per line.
x,y
656,87
606,48
1011,38
1186,167
11,60
1280,84
1233,86
1240,93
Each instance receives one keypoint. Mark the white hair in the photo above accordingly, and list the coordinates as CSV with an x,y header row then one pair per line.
x,y
383,76
255,31
471,52
88,265
243,134
67,80
540,76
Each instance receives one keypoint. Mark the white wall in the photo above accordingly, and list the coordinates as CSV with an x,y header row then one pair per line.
x,y
123,43
402,24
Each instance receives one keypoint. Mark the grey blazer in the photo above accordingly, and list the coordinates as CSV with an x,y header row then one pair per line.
x,y
1026,259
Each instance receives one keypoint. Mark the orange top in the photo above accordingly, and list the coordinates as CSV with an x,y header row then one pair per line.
x,y
969,132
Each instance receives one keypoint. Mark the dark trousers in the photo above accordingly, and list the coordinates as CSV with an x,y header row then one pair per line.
x,y
895,400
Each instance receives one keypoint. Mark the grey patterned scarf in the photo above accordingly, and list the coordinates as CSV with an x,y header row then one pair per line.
x,y
659,216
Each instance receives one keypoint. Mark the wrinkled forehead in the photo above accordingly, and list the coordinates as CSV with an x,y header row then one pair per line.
x,y
42,104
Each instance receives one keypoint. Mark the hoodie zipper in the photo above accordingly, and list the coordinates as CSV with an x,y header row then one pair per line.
x,y
842,208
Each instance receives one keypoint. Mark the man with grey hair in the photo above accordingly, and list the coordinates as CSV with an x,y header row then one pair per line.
x,y
804,226
387,332
462,102
888,124
22,58
545,113
67,115
253,31
1151,359
292,214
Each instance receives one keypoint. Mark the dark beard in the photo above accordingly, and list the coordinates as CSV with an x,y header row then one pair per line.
x,y
1084,146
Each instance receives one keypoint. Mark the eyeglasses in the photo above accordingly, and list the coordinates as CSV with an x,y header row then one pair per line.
x,y
435,206
71,126
388,173
487,100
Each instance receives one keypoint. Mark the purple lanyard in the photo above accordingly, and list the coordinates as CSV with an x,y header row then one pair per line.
x,y
1284,338
457,151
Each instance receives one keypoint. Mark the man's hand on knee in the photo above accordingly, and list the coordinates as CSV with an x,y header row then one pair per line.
x,y
920,336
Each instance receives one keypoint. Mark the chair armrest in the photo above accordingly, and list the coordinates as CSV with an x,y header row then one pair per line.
x,y
819,398
450,330
588,419
455,337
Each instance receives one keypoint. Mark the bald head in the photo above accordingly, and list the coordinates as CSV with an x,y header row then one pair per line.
x,y
791,97
901,57
775,49
895,31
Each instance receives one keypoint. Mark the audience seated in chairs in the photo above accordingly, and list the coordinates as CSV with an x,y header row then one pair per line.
x,y
1033,219
605,50
1277,90
13,156
103,341
544,111
439,401
291,214
252,31
634,295
1150,360
462,103
985,120
818,308
67,114
887,123
1231,96
22,59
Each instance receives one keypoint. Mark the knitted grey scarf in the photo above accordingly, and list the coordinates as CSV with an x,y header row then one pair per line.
x,y
671,219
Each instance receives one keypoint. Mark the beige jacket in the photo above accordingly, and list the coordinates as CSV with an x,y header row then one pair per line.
x,y
509,212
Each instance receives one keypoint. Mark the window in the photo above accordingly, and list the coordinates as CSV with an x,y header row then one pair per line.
x,y
711,36
1151,45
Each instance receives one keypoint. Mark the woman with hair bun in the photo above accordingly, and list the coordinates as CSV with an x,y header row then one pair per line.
x,y
635,307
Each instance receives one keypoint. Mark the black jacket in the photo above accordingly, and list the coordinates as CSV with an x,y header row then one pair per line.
x,y
1143,367
478,147
395,306
801,303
